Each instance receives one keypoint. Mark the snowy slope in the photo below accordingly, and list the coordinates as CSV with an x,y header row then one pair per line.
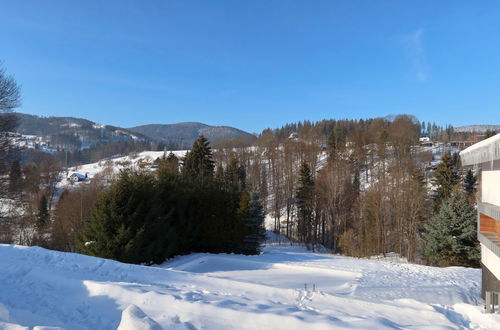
x,y
206,291
119,163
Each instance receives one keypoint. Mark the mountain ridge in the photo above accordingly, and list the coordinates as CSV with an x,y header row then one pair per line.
x,y
185,133
72,133
477,128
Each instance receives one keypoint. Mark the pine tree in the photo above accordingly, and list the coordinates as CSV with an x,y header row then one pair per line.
x,y
198,163
450,237
305,202
15,177
445,178
470,181
43,212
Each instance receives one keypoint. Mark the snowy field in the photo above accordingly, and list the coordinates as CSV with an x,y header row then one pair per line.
x,y
284,288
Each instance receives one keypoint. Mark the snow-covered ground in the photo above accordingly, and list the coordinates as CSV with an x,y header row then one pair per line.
x,y
116,164
284,288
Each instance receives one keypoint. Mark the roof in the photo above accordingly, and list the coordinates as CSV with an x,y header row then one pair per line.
x,y
485,151
79,176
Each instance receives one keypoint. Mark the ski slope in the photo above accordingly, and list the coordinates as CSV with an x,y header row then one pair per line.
x,y
284,288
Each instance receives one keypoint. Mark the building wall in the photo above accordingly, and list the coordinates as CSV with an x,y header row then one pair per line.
x,y
490,187
489,281
490,260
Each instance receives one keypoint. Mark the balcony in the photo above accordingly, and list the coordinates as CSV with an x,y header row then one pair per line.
x,y
489,227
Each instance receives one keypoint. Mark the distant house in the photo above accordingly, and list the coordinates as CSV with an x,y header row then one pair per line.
x,y
77,177
425,141
485,157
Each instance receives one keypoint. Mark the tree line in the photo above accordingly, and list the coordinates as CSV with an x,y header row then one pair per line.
x,y
148,217
360,187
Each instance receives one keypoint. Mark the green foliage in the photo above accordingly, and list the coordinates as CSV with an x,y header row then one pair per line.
x,y
445,179
198,163
305,201
119,226
169,163
235,177
42,216
147,219
252,213
450,237
470,182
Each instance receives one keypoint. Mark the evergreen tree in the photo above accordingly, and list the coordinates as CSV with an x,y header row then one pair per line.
x,y
445,178
489,133
470,181
253,216
169,163
235,177
305,202
119,226
15,177
337,140
43,212
450,237
198,163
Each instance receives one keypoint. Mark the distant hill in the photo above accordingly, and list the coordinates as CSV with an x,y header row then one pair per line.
x,y
68,133
185,134
477,128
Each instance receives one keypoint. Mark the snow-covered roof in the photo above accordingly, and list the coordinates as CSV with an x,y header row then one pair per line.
x,y
485,151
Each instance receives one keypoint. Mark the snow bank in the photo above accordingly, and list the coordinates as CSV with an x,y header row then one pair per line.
x,y
133,318
286,287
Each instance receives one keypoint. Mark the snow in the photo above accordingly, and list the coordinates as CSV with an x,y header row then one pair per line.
x,y
118,163
286,287
134,318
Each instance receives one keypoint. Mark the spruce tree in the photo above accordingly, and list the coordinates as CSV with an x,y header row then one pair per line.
x,y
252,213
43,212
169,163
470,181
450,237
445,178
235,176
305,202
15,177
198,163
119,226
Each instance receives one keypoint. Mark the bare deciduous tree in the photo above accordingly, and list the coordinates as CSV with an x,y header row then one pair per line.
x,y
10,98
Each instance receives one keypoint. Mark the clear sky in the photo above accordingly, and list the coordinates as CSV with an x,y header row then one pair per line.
x,y
254,64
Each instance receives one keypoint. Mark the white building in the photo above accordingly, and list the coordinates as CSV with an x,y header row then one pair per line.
x,y
485,157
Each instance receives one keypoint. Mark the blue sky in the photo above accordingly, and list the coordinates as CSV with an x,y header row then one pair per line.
x,y
254,64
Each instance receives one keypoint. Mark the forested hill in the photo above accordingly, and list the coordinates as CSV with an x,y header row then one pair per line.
x,y
186,133
70,133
